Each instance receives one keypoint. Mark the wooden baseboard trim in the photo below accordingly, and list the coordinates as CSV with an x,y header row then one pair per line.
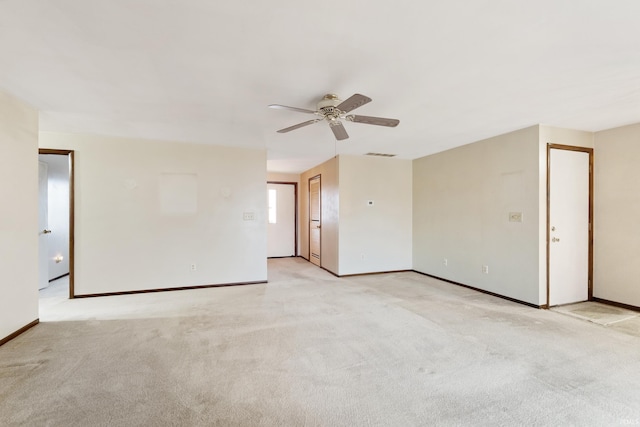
x,y
18,332
59,277
278,257
616,304
374,272
493,294
359,274
328,271
179,288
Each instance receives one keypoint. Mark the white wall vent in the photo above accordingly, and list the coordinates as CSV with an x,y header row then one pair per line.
x,y
380,154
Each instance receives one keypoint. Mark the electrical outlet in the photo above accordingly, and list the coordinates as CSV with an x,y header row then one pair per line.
x,y
446,262
515,216
485,269
249,216
193,267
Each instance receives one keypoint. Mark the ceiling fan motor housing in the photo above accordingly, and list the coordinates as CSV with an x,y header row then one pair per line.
x,y
327,106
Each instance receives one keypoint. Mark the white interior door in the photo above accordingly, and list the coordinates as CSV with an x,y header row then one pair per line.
x,y
281,227
43,231
314,220
568,226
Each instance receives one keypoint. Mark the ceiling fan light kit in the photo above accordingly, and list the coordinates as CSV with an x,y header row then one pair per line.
x,y
333,110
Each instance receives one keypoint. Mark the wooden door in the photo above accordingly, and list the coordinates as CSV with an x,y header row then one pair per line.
x,y
315,220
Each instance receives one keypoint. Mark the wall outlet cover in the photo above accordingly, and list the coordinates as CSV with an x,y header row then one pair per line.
x,y
515,216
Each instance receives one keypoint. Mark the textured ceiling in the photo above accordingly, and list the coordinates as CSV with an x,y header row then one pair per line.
x,y
204,71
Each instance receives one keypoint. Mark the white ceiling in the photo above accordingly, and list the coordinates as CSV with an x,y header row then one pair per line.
x,y
204,71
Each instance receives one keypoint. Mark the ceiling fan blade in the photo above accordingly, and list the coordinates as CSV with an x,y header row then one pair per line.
x,y
380,121
353,102
338,130
284,107
299,125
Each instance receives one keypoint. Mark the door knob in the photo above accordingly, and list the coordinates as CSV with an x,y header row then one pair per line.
x,y
45,231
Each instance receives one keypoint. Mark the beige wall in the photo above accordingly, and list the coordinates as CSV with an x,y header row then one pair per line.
x,y
283,177
461,204
19,214
616,215
137,228
378,237
554,135
329,212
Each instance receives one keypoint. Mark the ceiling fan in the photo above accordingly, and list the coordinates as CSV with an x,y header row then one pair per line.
x,y
333,110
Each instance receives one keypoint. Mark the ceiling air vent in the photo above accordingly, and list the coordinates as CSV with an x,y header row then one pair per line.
x,y
380,154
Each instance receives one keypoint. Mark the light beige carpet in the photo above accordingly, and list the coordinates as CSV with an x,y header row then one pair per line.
x,y
309,349
596,312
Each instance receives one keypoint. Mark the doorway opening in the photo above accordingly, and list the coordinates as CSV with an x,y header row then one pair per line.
x,y
56,223
282,219
569,224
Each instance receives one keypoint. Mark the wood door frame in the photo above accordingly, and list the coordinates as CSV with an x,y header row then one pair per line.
x,y
551,146
319,177
70,154
295,209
